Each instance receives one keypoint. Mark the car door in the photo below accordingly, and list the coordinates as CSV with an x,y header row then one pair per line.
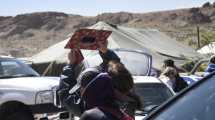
x,y
137,62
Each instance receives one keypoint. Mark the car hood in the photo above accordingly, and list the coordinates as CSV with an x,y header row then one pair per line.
x,y
30,83
191,79
146,79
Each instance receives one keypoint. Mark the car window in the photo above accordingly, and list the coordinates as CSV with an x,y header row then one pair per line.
x,y
197,104
136,63
10,68
152,93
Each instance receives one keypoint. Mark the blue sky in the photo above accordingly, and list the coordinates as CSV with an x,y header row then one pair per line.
x,y
93,7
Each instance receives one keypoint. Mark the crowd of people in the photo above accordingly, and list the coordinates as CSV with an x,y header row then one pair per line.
x,y
106,92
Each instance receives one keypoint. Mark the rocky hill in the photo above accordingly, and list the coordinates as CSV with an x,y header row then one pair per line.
x,y
27,34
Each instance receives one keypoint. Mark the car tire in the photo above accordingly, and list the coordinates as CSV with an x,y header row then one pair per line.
x,y
20,115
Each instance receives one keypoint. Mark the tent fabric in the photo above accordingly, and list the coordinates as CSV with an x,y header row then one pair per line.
x,y
207,49
151,41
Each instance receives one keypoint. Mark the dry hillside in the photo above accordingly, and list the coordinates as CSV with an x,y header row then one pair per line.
x,y
27,34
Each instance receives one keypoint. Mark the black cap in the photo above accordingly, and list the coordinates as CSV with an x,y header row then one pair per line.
x,y
84,78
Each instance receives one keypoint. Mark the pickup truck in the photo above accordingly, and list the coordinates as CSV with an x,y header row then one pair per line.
x,y
23,92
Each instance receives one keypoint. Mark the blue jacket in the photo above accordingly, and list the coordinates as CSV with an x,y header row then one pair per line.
x,y
210,68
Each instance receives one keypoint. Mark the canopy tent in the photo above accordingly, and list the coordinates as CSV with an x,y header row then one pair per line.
x,y
151,41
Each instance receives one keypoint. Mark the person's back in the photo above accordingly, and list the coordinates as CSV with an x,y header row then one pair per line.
x,y
123,82
97,114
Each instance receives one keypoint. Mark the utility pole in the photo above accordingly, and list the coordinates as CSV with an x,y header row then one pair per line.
x,y
198,36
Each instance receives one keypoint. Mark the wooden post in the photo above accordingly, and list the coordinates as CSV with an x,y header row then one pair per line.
x,y
198,36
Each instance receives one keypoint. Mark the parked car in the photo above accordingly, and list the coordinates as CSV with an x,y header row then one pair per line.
x,y
152,93
23,92
150,89
197,102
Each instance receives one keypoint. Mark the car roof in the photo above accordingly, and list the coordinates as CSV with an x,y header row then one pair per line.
x,y
3,56
146,79
6,58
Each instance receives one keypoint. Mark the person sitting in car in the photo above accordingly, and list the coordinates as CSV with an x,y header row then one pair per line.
x,y
172,79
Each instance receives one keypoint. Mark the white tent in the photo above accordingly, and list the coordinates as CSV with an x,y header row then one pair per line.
x,y
207,49
152,41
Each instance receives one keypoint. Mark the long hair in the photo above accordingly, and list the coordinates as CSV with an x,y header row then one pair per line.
x,y
121,77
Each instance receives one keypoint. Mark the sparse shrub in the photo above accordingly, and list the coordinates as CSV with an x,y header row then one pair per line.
x,y
191,42
207,38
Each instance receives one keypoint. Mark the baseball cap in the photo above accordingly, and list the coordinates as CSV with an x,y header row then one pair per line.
x,y
84,78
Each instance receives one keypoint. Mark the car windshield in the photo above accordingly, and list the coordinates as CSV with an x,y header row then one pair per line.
x,y
152,93
197,104
137,63
10,68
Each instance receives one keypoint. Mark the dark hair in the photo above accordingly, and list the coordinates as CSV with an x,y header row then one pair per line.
x,y
108,56
169,63
212,59
121,77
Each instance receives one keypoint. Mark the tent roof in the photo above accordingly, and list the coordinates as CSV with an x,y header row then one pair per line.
x,y
207,49
151,41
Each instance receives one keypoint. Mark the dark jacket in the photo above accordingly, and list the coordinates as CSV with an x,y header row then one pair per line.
x,y
97,91
97,114
106,57
179,84
210,68
68,79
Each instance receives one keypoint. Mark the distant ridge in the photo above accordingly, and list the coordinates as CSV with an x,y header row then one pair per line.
x,y
28,34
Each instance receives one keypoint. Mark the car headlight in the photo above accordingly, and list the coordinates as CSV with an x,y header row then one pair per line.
x,y
44,97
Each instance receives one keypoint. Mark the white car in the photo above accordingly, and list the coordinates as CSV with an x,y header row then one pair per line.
x,y
23,92
152,93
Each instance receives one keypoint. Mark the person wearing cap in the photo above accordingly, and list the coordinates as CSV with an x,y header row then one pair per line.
x,y
211,66
98,93
69,74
